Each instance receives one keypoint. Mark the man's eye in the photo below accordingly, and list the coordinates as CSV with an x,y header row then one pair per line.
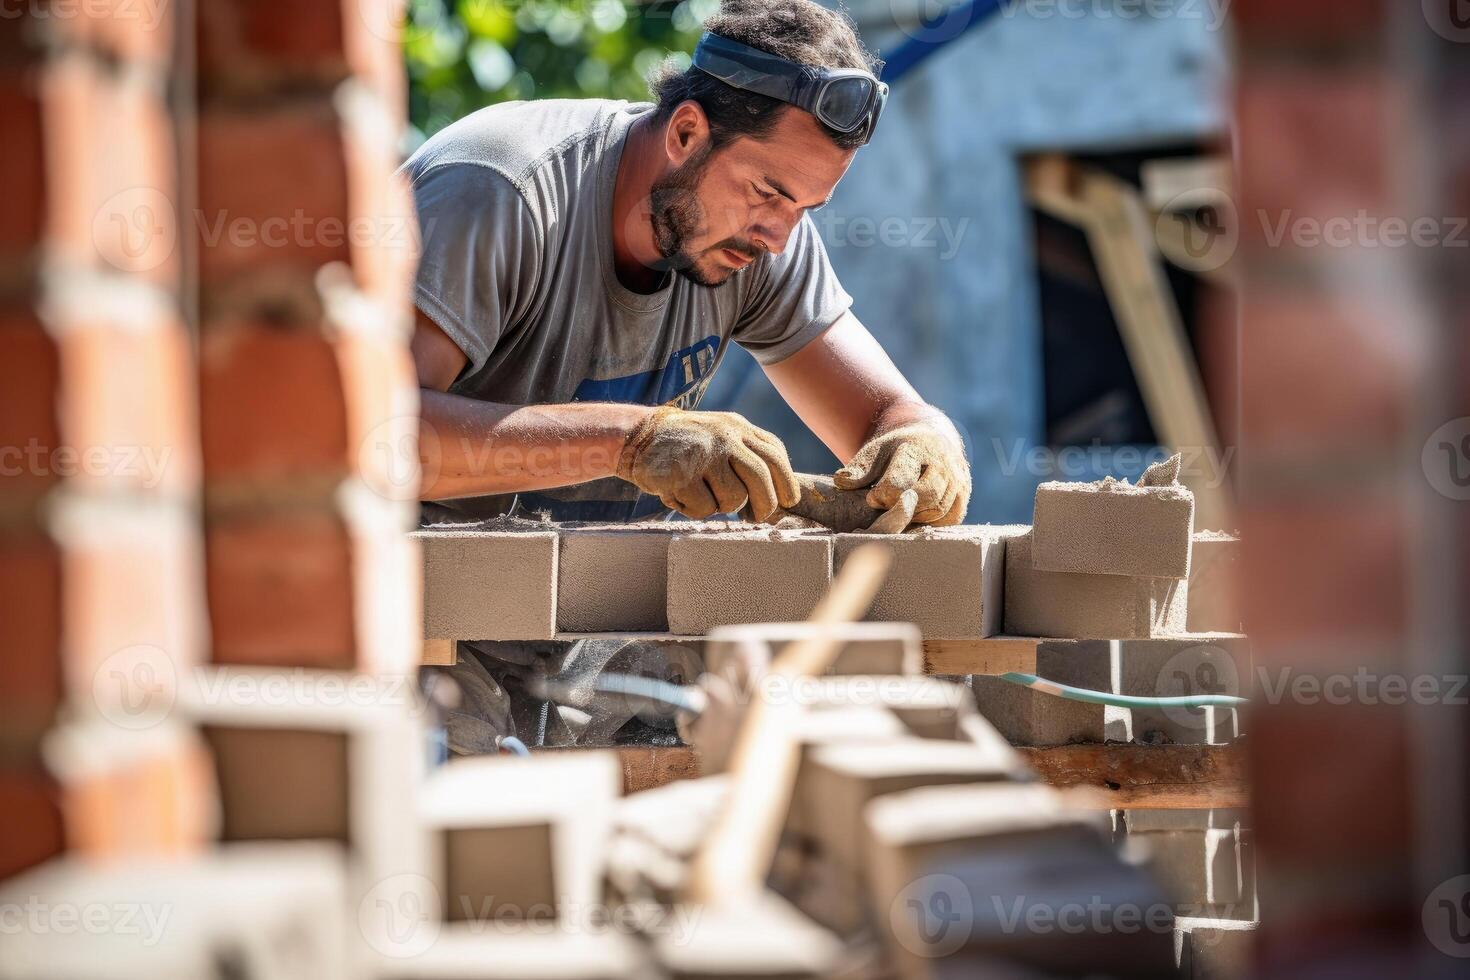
x,y
764,194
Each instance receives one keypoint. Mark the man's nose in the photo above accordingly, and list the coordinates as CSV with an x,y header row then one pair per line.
x,y
773,234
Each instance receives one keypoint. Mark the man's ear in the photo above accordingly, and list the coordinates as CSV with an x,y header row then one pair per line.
x,y
687,132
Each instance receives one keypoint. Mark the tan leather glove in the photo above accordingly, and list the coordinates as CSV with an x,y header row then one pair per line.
x,y
705,463
917,457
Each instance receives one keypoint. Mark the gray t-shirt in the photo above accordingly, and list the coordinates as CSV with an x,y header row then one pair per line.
x,y
515,205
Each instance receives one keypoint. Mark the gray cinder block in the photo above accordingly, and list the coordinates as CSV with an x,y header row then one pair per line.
x,y
1027,717
1214,602
613,579
1113,528
720,579
946,581
489,585
1214,949
1217,664
1085,606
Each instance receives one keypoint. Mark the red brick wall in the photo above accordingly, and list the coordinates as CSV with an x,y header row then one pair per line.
x,y
206,400
1352,354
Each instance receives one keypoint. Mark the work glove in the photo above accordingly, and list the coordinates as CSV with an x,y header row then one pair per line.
x,y
706,463
915,457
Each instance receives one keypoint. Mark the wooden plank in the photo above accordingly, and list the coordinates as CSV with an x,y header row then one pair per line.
x,y
649,767
1148,318
1164,776
988,655
438,653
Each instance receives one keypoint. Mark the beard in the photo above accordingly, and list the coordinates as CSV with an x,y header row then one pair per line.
x,y
677,217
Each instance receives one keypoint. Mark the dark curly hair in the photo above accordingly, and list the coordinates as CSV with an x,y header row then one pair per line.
x,y
797,30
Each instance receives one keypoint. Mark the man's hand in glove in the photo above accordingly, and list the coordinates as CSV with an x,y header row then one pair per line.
x,y
705,463
918,456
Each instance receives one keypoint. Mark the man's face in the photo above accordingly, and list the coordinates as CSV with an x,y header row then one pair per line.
x,y
715,213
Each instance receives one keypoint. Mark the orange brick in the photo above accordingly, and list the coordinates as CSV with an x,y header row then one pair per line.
x,y
34,832
131,602
1324,576
110,155
30,656
382,411
1289,120
1322,373
129,404
245,46
23,164
272,405
1309,22
280,591
288,189
30,379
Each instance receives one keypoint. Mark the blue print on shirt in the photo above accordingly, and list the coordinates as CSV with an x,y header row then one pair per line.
x,y
683,379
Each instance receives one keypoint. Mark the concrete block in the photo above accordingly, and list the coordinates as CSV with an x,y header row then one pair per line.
x,y
763,937
1083,606
1214,949
1142,821
1200,869
613,578
1027,717
509,951
1113,528
927,706
1210,664
521,839
1214,600
769,576
868,648
843,778
1077,663
317,755
249,910
947,581
489,585
970,856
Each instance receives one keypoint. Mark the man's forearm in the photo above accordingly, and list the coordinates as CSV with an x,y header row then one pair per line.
x,y
470,447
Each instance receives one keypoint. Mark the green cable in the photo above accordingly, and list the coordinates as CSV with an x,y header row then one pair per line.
x,y
1121,700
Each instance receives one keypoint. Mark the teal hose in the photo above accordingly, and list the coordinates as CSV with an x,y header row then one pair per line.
x,y
1121,700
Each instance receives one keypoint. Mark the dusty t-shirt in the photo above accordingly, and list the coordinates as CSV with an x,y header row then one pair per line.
x,y
515,206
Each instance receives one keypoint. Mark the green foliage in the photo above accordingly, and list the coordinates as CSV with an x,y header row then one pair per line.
x,y
467,54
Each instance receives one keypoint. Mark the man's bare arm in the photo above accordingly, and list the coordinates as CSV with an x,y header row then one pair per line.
x,y
469,447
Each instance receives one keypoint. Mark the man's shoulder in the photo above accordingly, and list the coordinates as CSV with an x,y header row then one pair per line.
x,y
517,138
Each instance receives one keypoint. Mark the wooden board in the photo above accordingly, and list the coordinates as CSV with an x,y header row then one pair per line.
x,y
1164,776
990,655
438,653
653,766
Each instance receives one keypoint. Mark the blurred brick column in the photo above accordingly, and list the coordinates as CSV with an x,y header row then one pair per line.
x,y
99,463
306,246
1353,353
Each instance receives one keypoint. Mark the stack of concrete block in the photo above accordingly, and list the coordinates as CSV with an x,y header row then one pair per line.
x,y
835,784
1207,664
1201,857
248,910
521,839
1005,879
1104,560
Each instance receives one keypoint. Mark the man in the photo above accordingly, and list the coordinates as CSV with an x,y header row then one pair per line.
x,y
587,263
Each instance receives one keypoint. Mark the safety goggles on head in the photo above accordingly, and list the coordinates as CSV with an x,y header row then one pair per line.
x,y
845,99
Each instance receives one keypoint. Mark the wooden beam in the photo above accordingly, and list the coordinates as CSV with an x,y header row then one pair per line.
x,y
990,655
649,767
438,653
1162,776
